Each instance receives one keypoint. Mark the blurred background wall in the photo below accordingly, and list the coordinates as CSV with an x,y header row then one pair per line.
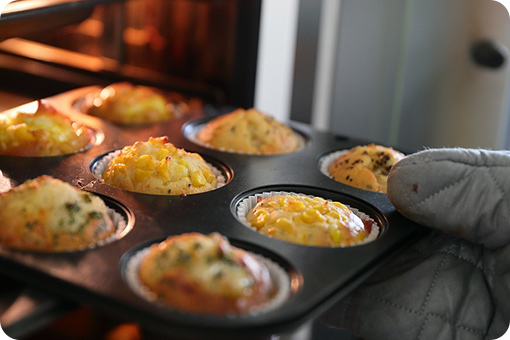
x,y
398,72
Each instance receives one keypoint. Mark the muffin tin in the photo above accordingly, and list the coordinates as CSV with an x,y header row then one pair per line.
x,y
318,276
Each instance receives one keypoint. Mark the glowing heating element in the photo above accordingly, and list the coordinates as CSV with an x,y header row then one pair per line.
x,y
4,3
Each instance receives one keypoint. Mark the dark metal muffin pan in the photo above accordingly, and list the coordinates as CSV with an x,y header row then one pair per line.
x,y
319,276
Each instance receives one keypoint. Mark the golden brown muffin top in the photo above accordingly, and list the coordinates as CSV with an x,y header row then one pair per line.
x,y
45,132
311,221
365,167
47,214
125,103
249,131
206,266
158,167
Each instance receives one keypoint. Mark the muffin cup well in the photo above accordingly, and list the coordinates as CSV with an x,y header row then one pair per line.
x,y
279,276
249,202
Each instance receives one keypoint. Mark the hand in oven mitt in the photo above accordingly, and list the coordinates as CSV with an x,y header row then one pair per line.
x,y
455,283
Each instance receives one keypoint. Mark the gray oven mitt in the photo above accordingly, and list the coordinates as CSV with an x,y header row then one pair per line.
x,y
455,283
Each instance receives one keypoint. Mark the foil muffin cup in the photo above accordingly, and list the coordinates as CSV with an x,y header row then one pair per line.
x,y
248,203
279,276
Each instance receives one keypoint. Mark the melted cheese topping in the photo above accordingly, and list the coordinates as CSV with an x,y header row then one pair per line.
x,y
158,167
306,220
43,133
249,131
49,214
365,167
128,104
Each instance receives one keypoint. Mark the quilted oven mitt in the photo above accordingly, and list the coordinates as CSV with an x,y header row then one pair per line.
x,y
455,283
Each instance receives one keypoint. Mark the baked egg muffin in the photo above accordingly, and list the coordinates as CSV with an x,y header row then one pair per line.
x,y
365,167
204,274
311,221
45,132
158,167
125,103
48,215
249,131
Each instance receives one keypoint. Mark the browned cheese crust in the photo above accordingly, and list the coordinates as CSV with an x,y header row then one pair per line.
x,y
204,274
249,131
47,132
365,167
47,214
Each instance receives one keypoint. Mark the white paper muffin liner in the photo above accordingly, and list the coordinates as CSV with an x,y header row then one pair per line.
x,y
279,276
120,227
326,161
100,167
248,203
193,136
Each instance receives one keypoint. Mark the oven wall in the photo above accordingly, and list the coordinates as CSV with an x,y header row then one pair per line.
x,y
276,57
